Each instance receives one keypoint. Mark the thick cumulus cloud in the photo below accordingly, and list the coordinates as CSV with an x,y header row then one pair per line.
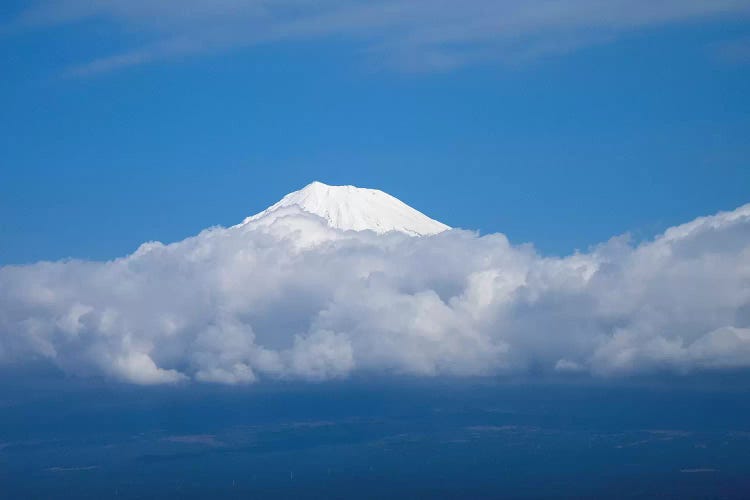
x,y
295,299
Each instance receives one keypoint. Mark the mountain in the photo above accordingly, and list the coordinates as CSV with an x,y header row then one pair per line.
x,y
352,208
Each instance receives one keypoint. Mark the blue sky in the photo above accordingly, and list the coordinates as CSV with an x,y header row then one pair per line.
x,y
628,123
563,124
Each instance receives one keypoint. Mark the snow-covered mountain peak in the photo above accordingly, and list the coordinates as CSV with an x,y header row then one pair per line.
x,y
353,208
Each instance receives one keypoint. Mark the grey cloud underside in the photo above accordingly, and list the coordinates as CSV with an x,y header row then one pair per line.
x,y
297,299
411,35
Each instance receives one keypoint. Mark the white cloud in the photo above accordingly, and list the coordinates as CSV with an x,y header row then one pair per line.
x,y
413,35
295,299
139,368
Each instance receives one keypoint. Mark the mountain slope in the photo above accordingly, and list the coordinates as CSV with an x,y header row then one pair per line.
x,y
353,208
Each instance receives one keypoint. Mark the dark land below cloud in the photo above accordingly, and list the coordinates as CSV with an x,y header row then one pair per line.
x,y
437,438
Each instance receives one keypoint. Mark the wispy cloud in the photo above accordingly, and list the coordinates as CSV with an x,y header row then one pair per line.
x,y
411,35
733,51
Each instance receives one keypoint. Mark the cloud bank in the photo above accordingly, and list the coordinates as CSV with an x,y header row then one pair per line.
x,y
410,35
296,299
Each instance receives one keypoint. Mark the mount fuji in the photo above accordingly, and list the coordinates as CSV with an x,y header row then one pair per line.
x,y
351,208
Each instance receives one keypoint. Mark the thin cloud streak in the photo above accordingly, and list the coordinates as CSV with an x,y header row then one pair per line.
x,y
405,35
733,51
